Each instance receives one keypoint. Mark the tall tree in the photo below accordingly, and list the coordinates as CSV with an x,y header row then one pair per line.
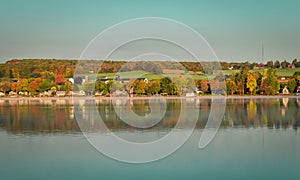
x,y
231,87
140,87
154,86
277,64
251,83
294,62
292,85
270,64
270,81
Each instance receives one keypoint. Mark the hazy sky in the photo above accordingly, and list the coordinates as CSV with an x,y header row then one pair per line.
x,y
234,28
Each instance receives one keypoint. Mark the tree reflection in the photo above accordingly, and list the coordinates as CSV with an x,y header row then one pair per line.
x,y
54,115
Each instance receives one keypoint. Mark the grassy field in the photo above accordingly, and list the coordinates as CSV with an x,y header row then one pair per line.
x,y
149,76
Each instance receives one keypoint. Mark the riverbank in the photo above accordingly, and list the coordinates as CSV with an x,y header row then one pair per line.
x,y
150,97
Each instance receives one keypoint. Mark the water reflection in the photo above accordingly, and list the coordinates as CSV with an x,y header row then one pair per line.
x,y
57,115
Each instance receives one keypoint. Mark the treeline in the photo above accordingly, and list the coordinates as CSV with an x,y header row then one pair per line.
x,y
37,76
32,68
269,64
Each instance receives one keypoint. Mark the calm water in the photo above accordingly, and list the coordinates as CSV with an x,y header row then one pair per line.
x,y
258,139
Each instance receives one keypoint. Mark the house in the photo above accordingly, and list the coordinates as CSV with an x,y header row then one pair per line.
x,y
105,80
283,79
285,90
12,94
142,79
60,93
71,80
78,93
2,94
190,93
260,66
97,93
125,80
46,93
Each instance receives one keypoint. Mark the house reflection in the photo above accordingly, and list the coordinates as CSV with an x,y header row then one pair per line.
x,y
57,115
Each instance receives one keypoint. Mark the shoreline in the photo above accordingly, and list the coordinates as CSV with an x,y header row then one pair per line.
x,y
151,97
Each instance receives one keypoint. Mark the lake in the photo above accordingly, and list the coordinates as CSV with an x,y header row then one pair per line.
x,y
258,138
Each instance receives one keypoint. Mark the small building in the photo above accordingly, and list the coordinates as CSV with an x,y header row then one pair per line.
x,y
61,93
190,93
2,94
285,91
71,80
125,80
142,79
283,79
78,93
298,89
12,94
173,71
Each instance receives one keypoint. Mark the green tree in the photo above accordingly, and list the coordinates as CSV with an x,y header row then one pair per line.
x,y
117,85
104,87
277,64
67,87
167,86
292,85
45,85
181,84
294,62
89,87
270,81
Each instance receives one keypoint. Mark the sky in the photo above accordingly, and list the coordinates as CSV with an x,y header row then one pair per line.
x,y
234,29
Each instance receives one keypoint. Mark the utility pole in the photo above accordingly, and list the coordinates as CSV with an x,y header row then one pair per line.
x,y
262,53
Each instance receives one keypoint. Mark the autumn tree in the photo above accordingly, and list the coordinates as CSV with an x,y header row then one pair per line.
x,y
251,83
140,87
231,87
16,86
5,86
24,84
240,79
68,87
15,73
69,72
202,85
59,76
33,87
154,86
